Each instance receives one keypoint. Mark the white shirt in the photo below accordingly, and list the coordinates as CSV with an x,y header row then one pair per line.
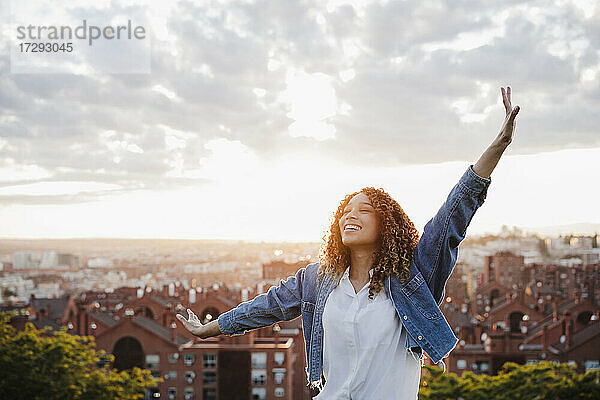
x,y
364,353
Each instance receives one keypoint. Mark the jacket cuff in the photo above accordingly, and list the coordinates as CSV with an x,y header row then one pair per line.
x,y
479,177
225,323
476,184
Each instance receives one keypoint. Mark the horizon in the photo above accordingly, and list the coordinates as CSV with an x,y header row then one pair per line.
x,y
523,232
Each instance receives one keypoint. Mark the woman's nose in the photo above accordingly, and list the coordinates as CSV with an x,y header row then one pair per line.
x,y
351,216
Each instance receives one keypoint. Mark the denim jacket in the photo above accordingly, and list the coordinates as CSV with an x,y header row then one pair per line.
x,y
416,301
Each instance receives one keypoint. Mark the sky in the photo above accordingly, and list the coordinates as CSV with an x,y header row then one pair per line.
x,y
257,117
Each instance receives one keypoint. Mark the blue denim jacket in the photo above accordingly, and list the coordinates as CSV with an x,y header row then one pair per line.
x,y
417,300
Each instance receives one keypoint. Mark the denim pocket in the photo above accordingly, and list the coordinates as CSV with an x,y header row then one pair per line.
x,y
308,307
420,296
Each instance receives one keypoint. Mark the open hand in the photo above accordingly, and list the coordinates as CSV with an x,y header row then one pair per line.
x,y
192,324
508,127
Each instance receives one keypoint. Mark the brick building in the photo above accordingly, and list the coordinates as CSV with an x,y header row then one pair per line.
x,y
140,329
524,314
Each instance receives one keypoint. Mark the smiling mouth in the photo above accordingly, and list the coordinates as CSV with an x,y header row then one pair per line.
x,y
352,228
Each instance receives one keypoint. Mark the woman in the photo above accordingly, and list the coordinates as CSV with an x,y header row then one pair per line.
x,y
370,307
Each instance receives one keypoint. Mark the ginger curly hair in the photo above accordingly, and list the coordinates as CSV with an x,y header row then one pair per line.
x,y
398,239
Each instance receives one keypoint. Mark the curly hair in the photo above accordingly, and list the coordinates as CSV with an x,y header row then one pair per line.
x,y
398,239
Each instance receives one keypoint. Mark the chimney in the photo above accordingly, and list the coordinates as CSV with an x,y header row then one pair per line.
x,y
276,329
545,339
508,298
191,296
165,320
569,334
172,327
554,311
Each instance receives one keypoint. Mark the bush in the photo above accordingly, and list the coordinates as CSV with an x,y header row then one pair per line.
x,y
40,364
546,380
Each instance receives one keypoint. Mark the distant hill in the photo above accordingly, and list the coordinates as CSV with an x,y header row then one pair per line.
x,y
582,228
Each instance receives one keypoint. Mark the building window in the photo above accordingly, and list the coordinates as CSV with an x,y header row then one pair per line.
x,y
188,359
209,394
172,393
209,377
173,357
152,361
279,358
189,376
209,360
480,366
278,377
259,376
591,365
171,375
461,364
259,393
259,360
189,393
278,392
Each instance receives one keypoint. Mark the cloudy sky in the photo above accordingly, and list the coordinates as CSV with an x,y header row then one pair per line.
x,y
257,117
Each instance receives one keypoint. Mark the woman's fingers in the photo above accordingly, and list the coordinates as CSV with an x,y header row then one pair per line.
x,y
506,99
514,113
193,316
182,319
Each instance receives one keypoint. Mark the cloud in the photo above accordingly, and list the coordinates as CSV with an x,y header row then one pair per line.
x,y
407,82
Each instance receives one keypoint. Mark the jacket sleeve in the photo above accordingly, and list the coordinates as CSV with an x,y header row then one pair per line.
x,y
282,302
437,250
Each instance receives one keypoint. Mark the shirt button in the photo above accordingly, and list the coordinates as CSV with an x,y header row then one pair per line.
x,y
420,337
405,317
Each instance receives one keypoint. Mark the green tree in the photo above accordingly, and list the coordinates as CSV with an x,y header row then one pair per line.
x,y
546,380
41,364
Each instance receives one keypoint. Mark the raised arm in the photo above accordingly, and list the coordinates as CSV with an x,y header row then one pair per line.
x,y
437,250
489,159
280,303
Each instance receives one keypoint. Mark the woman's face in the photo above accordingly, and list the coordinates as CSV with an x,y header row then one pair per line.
x,y
359,223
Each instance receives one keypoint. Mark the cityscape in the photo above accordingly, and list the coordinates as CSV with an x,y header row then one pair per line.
x,y
511,297
162,163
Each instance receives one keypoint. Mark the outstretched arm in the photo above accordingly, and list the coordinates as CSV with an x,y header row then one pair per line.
x,y
280,303
195,326
437,250
489,159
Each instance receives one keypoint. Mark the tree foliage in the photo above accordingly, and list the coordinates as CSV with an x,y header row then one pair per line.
x,y
546,380
41,364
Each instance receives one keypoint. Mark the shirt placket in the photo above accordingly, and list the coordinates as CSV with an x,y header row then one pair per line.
x,y
353,312
350,331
